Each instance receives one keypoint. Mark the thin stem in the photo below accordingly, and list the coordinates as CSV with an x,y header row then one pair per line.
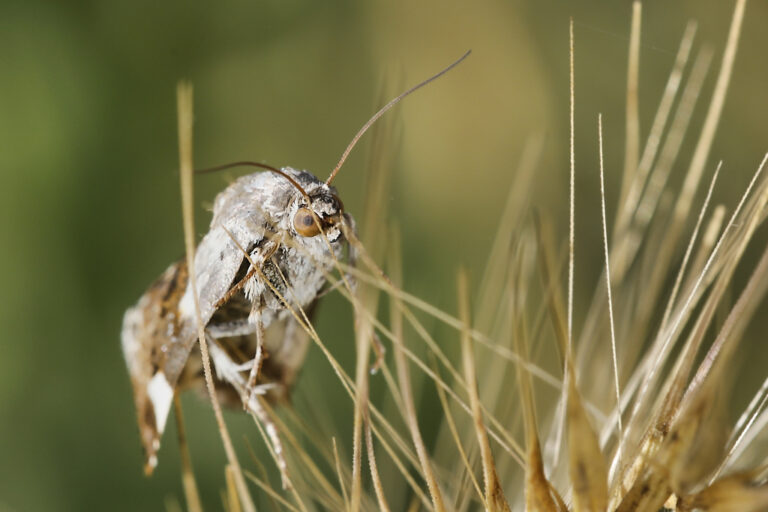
x,y
184,98
608,287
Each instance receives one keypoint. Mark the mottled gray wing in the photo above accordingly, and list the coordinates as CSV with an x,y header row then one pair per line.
x,y
159,332
149,331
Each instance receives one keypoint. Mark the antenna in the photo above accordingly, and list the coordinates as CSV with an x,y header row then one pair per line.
x,y
383,109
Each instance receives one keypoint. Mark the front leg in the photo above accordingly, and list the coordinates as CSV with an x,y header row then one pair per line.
x,y
238,329
231,329
229,371
256,320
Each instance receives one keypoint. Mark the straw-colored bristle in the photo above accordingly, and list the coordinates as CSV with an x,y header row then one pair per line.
x,y
494,493
734,493
538,490
233,502
185,121
632,143
191,494
535,400
404,378
587,468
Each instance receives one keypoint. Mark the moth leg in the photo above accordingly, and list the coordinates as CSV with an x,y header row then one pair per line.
x,y
379,350
229,371
258,358
234,329
231,329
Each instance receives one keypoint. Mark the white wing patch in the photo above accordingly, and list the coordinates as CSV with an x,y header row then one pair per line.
x,y
160,394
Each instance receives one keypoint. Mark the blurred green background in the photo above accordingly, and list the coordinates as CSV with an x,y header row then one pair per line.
x,y
89,201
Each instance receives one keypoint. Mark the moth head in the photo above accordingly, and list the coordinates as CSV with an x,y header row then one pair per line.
x,y
322,213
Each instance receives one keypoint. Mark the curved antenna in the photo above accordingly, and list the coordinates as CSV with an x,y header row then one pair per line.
x,y
383,109
259,165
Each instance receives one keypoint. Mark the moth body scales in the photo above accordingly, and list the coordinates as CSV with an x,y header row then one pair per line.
x,y
289,225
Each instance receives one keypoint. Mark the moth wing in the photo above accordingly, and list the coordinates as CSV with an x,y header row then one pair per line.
x,y
218,259
148,329
217,262
160,331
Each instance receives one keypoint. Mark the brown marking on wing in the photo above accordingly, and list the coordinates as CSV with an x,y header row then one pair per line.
x,y
149,329
157,338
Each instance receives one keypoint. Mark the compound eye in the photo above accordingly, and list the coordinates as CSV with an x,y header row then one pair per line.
x,y
304,223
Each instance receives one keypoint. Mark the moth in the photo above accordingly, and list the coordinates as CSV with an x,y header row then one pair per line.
x,y
274,237
271,221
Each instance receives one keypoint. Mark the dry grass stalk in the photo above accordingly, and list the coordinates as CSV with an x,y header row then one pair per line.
x,y
627,207
364,332
494,494
233,502
671,449
337,460
632,143
404,378
185,113
191,494
539,494
608,280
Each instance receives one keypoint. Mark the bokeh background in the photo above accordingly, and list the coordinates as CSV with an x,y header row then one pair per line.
x,y
89,202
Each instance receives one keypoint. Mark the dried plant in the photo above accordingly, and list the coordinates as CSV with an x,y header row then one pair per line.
x,y
632,418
